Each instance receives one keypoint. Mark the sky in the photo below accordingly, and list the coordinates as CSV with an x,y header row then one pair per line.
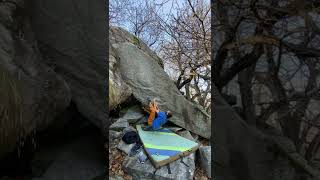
x,y
170,7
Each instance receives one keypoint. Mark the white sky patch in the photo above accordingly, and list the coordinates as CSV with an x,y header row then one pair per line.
x,y
170,8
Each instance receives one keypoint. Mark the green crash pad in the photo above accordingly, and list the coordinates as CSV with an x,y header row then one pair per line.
x,y
164,146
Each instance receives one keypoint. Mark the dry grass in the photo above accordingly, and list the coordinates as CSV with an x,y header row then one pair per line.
x,y
203,141
116,158
200,174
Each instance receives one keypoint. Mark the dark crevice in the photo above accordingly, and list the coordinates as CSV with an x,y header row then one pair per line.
x,y
131,101
67,127
184,162
17,163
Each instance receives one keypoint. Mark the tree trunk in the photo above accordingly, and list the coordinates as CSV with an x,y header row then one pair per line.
x,y
245,83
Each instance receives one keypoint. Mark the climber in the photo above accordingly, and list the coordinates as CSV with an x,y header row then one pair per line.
x,y
156,117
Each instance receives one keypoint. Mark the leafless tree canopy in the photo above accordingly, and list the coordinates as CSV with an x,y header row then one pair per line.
x,y
180,32
267,53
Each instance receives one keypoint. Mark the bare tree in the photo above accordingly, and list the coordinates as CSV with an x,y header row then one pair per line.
x,y
117,11
188,50
270,51
139,17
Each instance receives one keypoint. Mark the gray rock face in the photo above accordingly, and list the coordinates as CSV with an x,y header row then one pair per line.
x,y
120,124
72,37
133,114
179,170
205,159
148,80
83,159
119,91
31,92
119,35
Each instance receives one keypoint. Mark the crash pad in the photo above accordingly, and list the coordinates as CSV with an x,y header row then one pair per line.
x,y
164,146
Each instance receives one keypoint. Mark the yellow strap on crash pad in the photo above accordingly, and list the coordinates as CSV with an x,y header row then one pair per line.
x,y
173,148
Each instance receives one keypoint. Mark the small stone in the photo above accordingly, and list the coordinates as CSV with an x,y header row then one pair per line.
x,y
128,129
115,178
126,148
120,124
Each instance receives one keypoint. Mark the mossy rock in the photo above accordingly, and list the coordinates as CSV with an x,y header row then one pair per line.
x,y
136,42
112,92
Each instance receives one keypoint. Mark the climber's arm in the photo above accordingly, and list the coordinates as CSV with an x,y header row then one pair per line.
x,y
151,116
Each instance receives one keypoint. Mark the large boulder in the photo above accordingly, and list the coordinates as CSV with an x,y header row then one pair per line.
x,y
72,37
32,94
119,91
147,79
120,35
